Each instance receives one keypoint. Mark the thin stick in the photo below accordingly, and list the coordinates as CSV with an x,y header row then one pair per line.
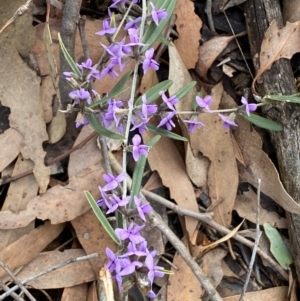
x,y
13,295
257,238
84,41
16,280
53,268
209,16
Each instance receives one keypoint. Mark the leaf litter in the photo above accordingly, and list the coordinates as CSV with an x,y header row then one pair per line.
x,y
214,160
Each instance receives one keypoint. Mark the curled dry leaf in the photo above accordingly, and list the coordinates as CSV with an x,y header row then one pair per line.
x,y
10,145
257,163
291,10
209,51
20,192
277,44
59,204
29,246
246,207
20,88
69,275
189,32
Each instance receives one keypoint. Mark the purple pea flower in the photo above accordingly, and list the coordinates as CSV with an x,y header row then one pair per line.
x,y
167,121
228,121
115,202
103,201
129,267
138,149
148,108
170,102
149,62
79,95
248,107
142,208
192,124
132,250
132,24
113,260
132,233
112,182
154,270
157,14
109,70
204,102
79,122
106,28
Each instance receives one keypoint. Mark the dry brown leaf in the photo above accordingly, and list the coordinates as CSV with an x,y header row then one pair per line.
x,y
277,44
179,290
258,165
209,51
196,166
75,293
215,143
20,90
69,275
246,207
291,10
29,246
10,144
188,27
148,80
20,192
276,293
166,160
154,182
57,127
59,204
87,155
93,238
47,94
92,293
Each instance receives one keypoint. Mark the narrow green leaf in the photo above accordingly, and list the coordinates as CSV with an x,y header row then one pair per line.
x,y
152,32
165,133
138,173
278,247
285,98
118,87
185,90
154,92
263,122
99,128
69,59
102,218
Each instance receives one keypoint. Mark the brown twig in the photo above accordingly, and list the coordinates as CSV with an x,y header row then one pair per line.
x,y
84,41
50,162
53,268
209,15
16,280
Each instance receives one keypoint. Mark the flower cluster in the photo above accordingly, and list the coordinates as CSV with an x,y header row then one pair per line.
x,y
135,256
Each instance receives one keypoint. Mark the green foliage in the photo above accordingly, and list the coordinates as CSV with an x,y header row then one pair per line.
x,y
68,58
165,133
263,122
102,218
99,128
285,98
278,247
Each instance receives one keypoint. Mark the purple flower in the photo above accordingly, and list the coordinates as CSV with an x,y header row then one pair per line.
x,y
170,102
113,260
228,120
106,28
149,62
79,122
132,233
248,107
148,108
167,121
115,202
129,267
103,201
132,250
204,102
109,70
88,71
138,149
132,24
154,270
192,124
112,182
142,208
157,14
80,95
